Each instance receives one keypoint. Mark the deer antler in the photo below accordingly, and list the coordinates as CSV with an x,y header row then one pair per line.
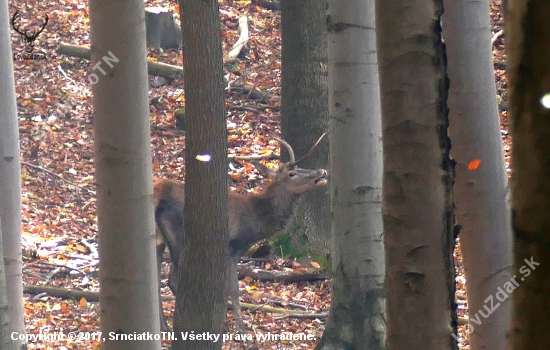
x,y
292,160
310,152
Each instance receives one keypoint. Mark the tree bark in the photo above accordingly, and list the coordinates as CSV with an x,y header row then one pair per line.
x,y
418,221
5,339
357,313
203,270
480,192
162,31
304,112
128,294
10,181
527,40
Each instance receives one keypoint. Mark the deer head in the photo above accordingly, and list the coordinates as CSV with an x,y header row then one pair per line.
x,y
289,176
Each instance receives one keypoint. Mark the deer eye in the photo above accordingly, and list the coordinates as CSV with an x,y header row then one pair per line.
x,y
292,174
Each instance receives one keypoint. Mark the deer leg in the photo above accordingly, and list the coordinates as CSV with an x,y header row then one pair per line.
x,y
169,229
233,287
169,220
160,253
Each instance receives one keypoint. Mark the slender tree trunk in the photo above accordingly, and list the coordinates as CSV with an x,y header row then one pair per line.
x,y
417,176
357,312
528,67
480,192
10,180
5,332
304,112
128,295
203,269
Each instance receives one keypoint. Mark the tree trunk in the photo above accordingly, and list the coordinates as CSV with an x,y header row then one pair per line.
x,y
128,295
10,181
417,176
480,193
304,111
162,31
203,269
357,313
527,40
5,331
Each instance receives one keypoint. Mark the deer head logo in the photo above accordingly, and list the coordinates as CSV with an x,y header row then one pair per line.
x,y
29,36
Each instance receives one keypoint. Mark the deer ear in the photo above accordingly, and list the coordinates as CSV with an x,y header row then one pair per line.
x,y
265,171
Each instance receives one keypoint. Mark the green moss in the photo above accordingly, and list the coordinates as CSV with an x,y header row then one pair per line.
x,y
282,247
179,115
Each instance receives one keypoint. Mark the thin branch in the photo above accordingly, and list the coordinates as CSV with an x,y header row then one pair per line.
x,y
496,36
57,176
56,267
253,157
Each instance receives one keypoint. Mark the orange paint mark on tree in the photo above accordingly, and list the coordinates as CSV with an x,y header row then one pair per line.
x,y
474,164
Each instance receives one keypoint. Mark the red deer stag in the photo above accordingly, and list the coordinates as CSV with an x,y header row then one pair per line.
x,y
252,217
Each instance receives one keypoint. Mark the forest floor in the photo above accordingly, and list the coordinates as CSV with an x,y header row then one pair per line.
x,y
59,208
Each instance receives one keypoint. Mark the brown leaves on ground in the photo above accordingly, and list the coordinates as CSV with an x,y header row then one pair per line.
x,y
59,207
59,212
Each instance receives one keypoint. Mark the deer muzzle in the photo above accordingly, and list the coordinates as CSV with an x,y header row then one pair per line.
x,y
321,179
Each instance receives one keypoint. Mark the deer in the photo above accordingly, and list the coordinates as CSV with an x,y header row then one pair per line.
x,y
252,217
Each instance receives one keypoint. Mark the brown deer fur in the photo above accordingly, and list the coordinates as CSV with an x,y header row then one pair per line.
x,y
252,217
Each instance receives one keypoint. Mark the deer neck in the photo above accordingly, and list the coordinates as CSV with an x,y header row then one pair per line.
x,y
276,206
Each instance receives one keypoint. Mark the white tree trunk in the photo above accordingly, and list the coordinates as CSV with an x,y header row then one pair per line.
x,y
357,313
10,178
5,331
128,295
417,176
480,194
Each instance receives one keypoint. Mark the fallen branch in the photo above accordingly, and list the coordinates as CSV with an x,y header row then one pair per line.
x,y
277,276
496,36
57,268
93,297
162,70
286,303
252,92
278,310
57,176
76,294
246,109
253,157
154,68
164,128
320,316
241,42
